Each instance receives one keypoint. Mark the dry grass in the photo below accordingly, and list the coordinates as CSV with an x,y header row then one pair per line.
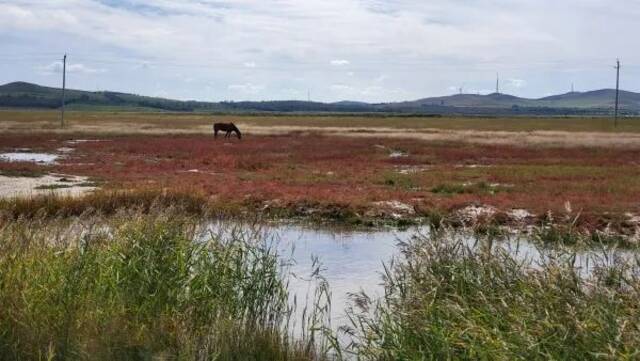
x,y
508,131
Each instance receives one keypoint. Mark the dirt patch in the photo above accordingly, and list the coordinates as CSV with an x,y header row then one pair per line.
x,y
476,212
532,138
56,184
520,215
412,169
392,209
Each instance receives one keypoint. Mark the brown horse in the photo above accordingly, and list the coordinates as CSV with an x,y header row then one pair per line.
x,y
226,127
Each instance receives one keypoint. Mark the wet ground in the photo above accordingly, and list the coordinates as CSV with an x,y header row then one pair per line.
x,y
28,185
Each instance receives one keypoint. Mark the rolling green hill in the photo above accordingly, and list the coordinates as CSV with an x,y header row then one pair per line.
x,y
27,95
21,94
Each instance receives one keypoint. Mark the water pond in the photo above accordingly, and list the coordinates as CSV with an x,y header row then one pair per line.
x,y
42,158
353,260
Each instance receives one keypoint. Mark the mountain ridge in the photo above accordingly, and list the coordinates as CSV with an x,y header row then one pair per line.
x,y
29,95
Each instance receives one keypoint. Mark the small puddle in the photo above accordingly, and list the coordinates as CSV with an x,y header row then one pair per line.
x,y
42,158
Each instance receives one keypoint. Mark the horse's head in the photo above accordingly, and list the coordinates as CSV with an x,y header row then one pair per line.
x,y
235,129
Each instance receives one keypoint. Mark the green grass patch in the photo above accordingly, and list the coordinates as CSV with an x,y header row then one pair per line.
x,y
54,186
397,180
473,188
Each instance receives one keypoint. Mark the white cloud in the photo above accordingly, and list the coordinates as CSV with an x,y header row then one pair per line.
x,y
517,83
341,87
380,78
56,67
249,64
339,62
247,88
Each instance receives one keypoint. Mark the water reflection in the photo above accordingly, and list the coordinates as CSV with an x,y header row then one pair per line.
x,y
44,158
352,260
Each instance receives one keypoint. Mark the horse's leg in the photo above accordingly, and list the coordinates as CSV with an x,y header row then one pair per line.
x,y
215,133
228,135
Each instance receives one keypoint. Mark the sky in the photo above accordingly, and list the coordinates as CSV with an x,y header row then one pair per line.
x,y
325,50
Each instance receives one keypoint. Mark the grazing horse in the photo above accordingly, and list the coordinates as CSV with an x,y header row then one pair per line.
x,y
226,127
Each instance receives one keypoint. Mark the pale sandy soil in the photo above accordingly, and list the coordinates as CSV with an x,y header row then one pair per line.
x,y
535,138
12,187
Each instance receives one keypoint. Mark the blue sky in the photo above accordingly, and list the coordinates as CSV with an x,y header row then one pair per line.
x,y
368,50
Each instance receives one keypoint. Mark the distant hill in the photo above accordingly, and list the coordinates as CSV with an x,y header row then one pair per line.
x,y
21,94
495,100
27,95
602,99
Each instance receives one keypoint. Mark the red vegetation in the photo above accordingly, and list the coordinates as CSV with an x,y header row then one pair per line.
x,y
353,172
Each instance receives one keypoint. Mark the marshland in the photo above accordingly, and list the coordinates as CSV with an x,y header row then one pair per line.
x,y
319,180
153,240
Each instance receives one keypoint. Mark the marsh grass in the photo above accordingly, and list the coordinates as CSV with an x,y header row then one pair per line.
x,y
22,172
103,202
147,286
446,301
53,186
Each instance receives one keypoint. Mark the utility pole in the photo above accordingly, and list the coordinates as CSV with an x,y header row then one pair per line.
x,y
615,119
64,86
309,95
497,83
572,90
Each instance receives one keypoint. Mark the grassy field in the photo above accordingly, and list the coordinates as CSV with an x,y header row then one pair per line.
x,y
196,122
125,273
352,178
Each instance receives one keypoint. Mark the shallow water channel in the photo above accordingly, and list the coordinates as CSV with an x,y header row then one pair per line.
x,y
353,260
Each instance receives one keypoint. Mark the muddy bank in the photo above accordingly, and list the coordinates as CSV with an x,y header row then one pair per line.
x,y
51,184
567,227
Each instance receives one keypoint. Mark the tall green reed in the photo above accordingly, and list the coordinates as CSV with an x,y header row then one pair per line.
x,y
145,287
447,301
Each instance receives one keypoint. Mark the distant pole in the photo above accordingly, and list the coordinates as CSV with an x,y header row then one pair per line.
x,y
615,119
64,86
309,95
573,91
497,83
